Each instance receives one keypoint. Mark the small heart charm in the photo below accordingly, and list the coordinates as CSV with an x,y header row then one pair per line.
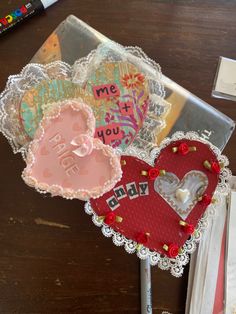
x,y
76,164
182,195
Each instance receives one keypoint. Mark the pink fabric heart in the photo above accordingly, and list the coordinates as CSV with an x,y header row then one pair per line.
x,y
80,166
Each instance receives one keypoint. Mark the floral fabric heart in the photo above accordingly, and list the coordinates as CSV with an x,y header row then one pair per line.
x,y
121,99
64,159
37,99
160,207
19,120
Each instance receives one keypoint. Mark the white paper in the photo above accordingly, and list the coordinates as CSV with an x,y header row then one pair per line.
x,y
204,267
230,285
226,79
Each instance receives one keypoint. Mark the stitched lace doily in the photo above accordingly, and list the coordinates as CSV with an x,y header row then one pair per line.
x,y
158,107
175,265
31,75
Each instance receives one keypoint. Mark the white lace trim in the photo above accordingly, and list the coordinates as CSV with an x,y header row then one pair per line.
x,y
158,107
175,265
31,75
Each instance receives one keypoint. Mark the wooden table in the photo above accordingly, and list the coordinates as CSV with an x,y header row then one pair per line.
x,y
52,258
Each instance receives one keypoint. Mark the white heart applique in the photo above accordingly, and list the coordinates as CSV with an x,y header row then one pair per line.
x,y
181,195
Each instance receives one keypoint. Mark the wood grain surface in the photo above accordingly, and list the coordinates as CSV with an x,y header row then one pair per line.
x,y
52,258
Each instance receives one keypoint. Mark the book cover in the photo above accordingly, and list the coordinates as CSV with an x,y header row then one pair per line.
x,y
74,39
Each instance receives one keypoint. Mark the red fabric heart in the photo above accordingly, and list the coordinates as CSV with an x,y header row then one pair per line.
x,y
151,214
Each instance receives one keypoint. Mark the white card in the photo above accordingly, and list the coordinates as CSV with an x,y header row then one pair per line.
x,y
230,289
225,81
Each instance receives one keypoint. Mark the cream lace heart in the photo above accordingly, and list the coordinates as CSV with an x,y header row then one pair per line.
x,y
181,195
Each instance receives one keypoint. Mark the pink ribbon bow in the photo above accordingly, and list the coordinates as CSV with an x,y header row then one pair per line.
x,y
84,144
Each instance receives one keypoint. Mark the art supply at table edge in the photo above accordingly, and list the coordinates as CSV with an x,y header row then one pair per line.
x,y
23,12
